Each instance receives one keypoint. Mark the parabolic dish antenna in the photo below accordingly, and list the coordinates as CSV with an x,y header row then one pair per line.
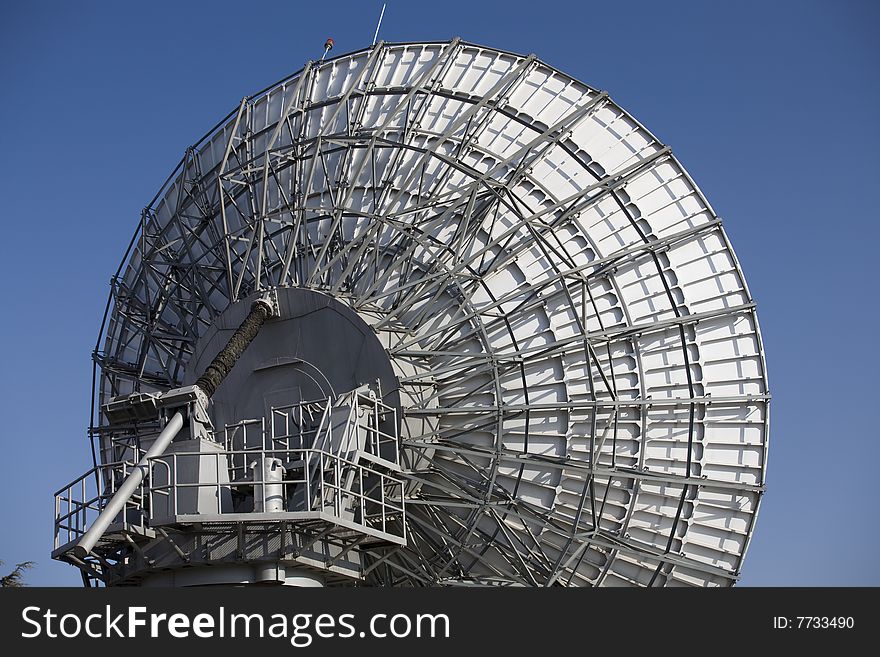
x,y
481,286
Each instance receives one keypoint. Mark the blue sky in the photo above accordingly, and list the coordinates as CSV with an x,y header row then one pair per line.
x,y
771,106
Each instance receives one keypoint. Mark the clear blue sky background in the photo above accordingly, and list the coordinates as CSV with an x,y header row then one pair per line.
x,y
773,107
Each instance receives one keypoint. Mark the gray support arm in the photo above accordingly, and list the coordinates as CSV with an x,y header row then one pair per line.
x,y
129,486
208,383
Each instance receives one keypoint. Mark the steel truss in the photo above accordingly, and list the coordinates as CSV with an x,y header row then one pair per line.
x,y
522,332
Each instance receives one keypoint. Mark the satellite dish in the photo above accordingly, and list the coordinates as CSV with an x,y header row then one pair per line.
x,y
493,335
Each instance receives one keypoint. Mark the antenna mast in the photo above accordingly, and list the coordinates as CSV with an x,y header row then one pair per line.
x,y
328,46
379,24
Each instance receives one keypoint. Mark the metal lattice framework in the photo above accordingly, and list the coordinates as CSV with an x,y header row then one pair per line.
x,y
586,396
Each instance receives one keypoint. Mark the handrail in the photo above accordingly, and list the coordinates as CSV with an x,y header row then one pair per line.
x,y
333,467
354,492
311,477
88,541
90,472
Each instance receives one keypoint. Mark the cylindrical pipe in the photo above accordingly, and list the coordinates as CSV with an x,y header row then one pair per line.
x,y
243,336
208,382
117,503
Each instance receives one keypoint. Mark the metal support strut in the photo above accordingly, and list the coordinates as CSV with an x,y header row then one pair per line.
x,y
213,376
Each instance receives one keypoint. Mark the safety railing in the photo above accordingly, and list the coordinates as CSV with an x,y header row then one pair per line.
x,y
298,425
296,461
244,437
282,484
378,443
79,503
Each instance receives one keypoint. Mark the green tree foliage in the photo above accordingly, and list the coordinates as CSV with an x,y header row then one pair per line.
x,y
16,577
